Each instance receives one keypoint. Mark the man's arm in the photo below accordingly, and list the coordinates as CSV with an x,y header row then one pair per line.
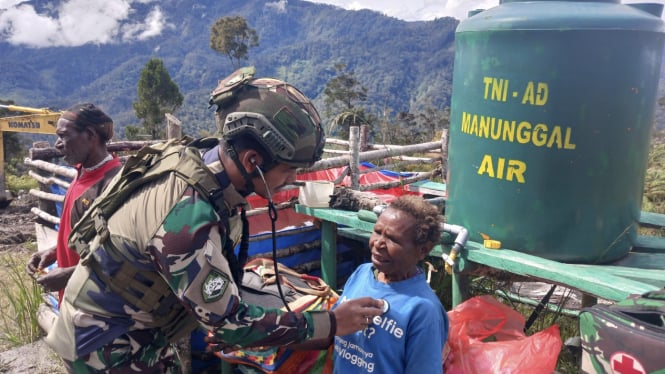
x,y
55,279
190,244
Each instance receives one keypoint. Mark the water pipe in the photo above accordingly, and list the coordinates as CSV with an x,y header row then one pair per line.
x,y
462,235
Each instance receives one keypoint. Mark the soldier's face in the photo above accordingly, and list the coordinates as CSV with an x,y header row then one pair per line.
x,y
276,178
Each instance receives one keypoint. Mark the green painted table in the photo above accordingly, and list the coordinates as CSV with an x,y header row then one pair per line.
x,y
638,272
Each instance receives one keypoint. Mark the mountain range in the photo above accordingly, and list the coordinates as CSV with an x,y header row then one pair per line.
x,y
405,66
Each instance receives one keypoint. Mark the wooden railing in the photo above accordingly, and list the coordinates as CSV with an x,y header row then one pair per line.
x,y
43,157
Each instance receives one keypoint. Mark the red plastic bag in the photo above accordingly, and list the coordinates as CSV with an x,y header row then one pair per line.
x,y
487,336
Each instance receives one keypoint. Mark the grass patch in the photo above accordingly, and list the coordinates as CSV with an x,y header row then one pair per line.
x,y
17,183
19,300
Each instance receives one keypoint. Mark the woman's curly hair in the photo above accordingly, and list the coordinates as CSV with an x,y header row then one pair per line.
x,y
429,223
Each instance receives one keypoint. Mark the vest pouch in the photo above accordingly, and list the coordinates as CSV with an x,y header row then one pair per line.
x,y
151,294
629,335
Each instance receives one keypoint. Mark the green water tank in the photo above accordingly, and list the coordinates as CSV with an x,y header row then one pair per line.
x,y
552,108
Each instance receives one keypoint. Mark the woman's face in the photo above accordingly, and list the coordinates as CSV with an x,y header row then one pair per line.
x,y
394,252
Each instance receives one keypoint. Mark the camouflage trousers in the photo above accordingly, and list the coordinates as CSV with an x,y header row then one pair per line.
x,y
139,351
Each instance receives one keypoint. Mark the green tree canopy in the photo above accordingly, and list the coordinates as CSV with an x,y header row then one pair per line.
x,y
158,95
344,91
231,36
343,94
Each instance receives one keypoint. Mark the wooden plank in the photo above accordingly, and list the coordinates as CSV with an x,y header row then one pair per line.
x,y
594,280
650,219
329,253
354,234
654,276
355,227
46,237
341,217
649,244
611,282
642,261
428,187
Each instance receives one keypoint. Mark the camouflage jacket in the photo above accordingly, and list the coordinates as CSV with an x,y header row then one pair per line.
x,y
166,227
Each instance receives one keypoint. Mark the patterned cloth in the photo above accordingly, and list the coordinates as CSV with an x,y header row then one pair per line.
x,y
167,228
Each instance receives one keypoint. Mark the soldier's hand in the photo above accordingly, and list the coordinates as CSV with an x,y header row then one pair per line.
x,y
215,344
356,314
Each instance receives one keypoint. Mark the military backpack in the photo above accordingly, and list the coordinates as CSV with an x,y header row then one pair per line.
x,y
626,337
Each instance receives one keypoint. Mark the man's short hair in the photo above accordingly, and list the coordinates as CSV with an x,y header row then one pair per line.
x,y
88,115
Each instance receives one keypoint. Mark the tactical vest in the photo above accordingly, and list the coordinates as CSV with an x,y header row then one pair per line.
x,y
182,158
84,201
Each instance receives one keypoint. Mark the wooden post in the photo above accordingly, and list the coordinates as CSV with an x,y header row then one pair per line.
x,y
45,205
444,155
329,253
5,197
364,137
173,127
354,148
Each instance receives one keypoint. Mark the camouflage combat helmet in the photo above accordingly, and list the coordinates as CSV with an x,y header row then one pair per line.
x,y
274,113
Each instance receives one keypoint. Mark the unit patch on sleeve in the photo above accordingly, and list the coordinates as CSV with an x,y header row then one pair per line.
x,y
214,286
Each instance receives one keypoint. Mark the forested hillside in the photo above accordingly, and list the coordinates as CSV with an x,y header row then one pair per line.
x,y
405,66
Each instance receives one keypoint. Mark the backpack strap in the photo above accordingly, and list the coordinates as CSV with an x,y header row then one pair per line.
x,y
149,164
148,291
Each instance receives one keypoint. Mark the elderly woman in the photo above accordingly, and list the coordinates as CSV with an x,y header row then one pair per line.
x,y
410,335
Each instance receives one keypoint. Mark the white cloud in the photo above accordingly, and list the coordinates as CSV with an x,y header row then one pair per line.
x,y
278,6
426,10
154,23
77,22
415,10
6,4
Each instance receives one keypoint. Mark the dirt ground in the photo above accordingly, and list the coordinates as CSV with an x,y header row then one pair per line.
x,y
17,238
17,224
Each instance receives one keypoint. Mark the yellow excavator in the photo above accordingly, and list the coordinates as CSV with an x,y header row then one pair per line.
x,y
38,121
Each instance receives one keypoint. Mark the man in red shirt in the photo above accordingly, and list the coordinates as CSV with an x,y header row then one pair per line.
x,y
83,131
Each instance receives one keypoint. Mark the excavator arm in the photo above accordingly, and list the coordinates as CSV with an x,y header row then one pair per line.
x,y
42,122
39,121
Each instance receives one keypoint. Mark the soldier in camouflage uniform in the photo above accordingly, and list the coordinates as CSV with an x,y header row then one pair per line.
x,y
163,267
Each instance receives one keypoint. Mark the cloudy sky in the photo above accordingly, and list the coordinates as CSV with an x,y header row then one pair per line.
x,y
415,10
78,22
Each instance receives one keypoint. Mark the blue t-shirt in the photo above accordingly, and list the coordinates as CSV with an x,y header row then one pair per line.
x,y
409,338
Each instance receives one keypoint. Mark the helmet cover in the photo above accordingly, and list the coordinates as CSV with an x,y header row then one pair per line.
x,y
274,113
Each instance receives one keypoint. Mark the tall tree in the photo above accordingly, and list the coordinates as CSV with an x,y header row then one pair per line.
x,y
158,95
231,36
343,93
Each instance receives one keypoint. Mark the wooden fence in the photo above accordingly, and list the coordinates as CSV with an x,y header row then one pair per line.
x,y
43,160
